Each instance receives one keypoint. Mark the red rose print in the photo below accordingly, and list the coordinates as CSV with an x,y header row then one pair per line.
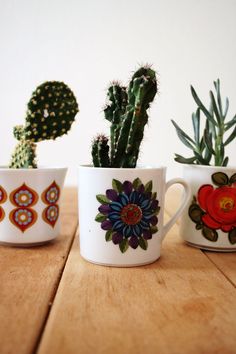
x,y
219,205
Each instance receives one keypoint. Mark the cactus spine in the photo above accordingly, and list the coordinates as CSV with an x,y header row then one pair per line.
x,y
127,112
50,114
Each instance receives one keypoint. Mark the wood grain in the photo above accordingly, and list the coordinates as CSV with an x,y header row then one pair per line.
x,y
225,262
28,280
180,304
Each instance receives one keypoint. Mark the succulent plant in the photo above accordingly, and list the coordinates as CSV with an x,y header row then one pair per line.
x,y
127,113
51,112
208,148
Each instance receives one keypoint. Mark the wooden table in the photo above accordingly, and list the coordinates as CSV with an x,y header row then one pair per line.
x,y
54,302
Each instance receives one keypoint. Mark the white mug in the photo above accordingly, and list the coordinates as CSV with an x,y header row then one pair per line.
x,y
121,214
30,205
209,221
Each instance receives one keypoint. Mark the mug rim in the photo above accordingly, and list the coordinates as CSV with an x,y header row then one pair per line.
x,y
40,168
139,168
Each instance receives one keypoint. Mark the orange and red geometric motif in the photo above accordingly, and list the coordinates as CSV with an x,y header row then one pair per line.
x,y
23,216
50,197
3,198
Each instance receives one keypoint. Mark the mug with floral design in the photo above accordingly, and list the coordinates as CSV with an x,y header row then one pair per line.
x,y
30,205
209,221
121,214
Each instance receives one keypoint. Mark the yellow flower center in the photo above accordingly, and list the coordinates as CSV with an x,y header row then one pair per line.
x,y
226,204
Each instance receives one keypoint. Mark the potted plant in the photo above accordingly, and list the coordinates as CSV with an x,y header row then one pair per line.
x,y
120,205
210,218
30,195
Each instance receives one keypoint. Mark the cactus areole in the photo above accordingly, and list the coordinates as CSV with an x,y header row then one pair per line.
x,y
127,112
50,114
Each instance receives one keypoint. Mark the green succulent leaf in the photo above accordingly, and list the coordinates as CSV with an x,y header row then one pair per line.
x,y
231,137
196,125
201,106
215,109
225,162
186,140
231,123
181,159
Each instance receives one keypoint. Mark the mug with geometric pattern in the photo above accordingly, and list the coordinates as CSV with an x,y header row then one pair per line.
x,y
30,205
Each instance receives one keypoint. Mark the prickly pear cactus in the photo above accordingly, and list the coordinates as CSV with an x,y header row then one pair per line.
x,y
50,114
24,155
51,111
127,112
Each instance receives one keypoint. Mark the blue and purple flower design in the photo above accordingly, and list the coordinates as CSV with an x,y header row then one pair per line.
x,y
128,213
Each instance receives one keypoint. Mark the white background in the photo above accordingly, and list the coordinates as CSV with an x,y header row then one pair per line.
x,y
88,43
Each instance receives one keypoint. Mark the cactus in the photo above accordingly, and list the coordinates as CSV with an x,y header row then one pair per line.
x,y
50,114
127,112
100,151
24,155
210,147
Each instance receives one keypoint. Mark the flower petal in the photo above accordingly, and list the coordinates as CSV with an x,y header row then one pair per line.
x,y
118,225
116,206
153,220
155,204
104,209
211,223
147,234
144,225
114,216
106,225
226,228
134,197
124,199
133,242
146,204
111,194
117,238
127,186
141,189
203,194
137,230
127,231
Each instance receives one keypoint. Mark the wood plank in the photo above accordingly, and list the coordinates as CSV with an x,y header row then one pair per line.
x,y
226,262
29,278
179,304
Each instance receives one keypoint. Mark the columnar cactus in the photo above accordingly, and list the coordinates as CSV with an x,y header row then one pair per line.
x,y
127,112
51,112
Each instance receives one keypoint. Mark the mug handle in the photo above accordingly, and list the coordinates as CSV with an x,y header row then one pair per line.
x,y
184,202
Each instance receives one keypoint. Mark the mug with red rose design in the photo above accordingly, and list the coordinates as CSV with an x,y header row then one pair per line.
x,y
209,221
121,214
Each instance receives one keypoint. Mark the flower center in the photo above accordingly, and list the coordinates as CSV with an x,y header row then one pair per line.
x,y
226,204
131,214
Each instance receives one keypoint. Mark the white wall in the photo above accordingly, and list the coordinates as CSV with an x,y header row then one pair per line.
x,y
88,43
